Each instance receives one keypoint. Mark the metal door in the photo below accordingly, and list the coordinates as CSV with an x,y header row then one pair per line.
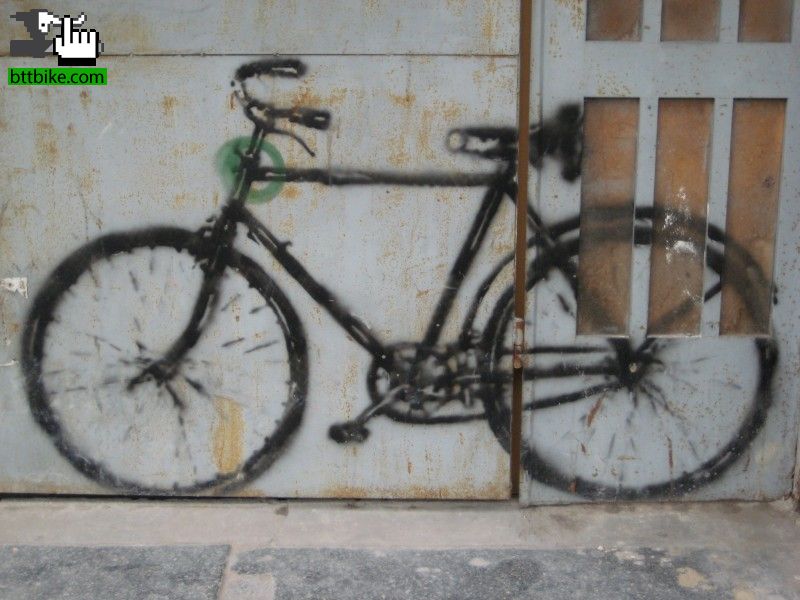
x,y
661,354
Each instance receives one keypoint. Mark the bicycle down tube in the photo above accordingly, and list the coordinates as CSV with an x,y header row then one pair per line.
x,y
495,182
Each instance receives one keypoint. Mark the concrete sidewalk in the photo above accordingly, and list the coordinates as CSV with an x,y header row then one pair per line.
x,y
245,550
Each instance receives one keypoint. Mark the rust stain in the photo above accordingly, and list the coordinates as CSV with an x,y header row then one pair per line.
x,y
168,104
575,7
403,100
188,149
446,112
371,6
594,410
227,434
34,487
305,96
86,182
291,192
287,226
46,143
462,490
86,99
399,155
181,200
488,25
457,6
351,379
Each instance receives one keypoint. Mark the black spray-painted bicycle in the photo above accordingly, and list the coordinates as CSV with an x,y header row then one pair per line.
x,y
165,361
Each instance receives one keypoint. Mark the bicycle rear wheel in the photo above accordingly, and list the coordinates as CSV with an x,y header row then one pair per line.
x,y
116,305
624,418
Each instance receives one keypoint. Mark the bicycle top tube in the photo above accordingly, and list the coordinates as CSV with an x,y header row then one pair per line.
x,y
343,177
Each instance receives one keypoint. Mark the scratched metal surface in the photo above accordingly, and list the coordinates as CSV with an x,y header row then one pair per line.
x,y
606,447
81,162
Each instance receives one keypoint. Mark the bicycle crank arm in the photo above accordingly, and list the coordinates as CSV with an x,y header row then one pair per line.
x,y
354,430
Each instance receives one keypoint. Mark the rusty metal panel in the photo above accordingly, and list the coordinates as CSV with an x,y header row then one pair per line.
x,y
463,27
640,418
610,20
683,160
378,216
689,20
756,155
608,183
765,20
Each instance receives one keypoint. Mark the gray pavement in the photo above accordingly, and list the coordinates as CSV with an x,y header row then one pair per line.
x,y
71,549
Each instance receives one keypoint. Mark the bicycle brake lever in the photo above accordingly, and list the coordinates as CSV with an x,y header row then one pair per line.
x,y
296,138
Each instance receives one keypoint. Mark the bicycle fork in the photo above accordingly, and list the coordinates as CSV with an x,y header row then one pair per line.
x,y
214,243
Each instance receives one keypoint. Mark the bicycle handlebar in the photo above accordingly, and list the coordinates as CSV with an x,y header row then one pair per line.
x,y
273,67
314,118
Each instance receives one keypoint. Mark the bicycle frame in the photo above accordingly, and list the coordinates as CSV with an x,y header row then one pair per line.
x,y
498,183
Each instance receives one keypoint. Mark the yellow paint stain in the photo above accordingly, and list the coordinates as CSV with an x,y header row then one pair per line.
x,y
228,428
743,593
692,579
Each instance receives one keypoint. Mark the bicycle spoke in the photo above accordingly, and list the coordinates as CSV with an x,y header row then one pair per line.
x,y
558,350
562,399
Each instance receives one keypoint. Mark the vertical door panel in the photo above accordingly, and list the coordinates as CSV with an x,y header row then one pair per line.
x,y
681,412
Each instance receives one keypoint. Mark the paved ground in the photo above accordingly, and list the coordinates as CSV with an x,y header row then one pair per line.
x,y
311,550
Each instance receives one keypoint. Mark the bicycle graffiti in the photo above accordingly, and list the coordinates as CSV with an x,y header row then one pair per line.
x,y
144,382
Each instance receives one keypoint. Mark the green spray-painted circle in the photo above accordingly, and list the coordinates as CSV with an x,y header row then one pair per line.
x,y
227,162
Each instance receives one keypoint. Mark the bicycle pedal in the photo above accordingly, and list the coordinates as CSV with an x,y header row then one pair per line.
x,y
345,433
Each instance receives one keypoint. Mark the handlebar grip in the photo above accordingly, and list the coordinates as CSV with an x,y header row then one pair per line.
x,y
311,117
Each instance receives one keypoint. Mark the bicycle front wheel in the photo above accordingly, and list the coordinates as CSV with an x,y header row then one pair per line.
x,y
114,307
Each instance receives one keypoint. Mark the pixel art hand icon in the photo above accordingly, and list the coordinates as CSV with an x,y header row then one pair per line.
x,y
77,47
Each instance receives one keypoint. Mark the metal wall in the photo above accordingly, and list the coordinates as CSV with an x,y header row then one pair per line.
x,y
659,359
78,163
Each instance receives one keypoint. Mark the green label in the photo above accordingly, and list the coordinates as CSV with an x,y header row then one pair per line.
x,y
56,76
